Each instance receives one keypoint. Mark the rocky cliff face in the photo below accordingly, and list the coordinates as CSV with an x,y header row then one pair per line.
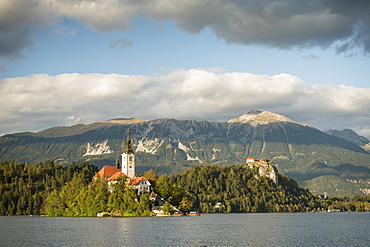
x,y
265,168
171,145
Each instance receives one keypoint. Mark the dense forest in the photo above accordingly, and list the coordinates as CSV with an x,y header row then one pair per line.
x,y
56,190
241,190
24,187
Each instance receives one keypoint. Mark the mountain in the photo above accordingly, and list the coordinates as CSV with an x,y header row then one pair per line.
x,y
298,150
351,136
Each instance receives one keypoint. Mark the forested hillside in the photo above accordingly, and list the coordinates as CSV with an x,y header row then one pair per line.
x,y
24,187
56,190
241,190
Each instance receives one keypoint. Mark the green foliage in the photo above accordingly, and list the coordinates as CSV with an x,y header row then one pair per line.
x,y
186,204
167,208
115,199
237,187
144,205
56,190
77,198
336,185
24,187
172,192
358,203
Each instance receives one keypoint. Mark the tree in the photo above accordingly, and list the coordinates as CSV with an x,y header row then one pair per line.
x,y
186,204
116,198
144,205
54,205
167,208
152,176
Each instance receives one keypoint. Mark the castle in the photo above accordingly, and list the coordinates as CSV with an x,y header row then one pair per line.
x,y
128,170
265,168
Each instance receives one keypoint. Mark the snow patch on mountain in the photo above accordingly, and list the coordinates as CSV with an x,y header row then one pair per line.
x,y
186,149
367,147
183,147
98,149
149,146
260,118
188,157
214,150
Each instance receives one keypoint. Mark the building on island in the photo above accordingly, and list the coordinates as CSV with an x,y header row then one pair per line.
x,y
158,204
265,168
128,170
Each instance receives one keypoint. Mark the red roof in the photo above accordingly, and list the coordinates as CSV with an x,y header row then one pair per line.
x,y
137,180
116,175
107,171
112,173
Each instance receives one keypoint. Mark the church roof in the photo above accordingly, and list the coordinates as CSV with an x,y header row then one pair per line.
x,y
107,171
137,180
112,173
116,175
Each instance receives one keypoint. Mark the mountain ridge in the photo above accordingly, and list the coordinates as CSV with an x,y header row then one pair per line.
x,y
351,136
172,146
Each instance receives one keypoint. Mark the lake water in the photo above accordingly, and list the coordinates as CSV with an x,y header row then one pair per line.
x,y
294,229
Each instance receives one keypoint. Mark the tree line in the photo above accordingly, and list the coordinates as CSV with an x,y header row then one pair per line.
x,y
57,190
24,187
242,190
76,198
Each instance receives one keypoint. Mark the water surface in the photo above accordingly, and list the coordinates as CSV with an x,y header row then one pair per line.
x,y
296,229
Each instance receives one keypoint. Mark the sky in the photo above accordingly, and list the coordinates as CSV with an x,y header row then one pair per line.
x,y
65,62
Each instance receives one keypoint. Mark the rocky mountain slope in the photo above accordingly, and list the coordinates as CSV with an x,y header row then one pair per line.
x,y
310,156
351,136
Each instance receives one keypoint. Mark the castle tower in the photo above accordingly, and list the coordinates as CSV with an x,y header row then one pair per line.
x,y
128,158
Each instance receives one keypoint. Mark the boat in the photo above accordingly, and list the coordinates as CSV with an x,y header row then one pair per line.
x,y
193,213
103,214
177,213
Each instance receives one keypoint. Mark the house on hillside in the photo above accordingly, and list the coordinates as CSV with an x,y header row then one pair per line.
x,y
158,204
219,207
128,170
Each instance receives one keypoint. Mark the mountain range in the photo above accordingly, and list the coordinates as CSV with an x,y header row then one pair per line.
x,y
322,162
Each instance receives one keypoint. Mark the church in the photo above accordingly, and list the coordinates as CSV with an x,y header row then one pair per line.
x,y
128,170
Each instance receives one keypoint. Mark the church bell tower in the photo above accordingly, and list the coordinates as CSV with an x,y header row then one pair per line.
x,y
128,158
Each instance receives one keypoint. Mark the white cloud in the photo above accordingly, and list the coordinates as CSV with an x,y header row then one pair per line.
x,y
39,101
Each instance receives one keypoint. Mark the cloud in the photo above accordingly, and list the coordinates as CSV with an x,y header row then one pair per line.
x,y
310,57
18,20
37,102
123,42
64,30
282,24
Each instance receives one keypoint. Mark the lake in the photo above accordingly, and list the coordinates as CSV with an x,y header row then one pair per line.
x,y
285,229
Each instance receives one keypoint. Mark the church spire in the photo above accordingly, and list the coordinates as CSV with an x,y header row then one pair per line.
x,y
128,158
128,149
